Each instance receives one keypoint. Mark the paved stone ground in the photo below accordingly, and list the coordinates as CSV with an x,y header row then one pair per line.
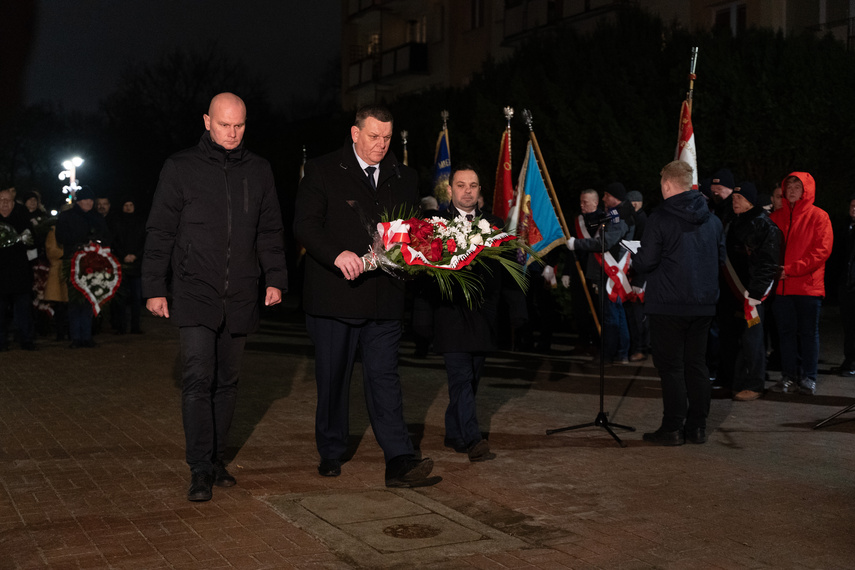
x,y
92,472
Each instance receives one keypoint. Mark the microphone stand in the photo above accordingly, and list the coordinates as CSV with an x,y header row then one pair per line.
x,y
602,419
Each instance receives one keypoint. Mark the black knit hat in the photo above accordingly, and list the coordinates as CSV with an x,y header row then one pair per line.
x,y
84,193
748,191
617,190
724,177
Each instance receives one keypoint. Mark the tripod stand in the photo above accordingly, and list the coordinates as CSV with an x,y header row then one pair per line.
x,y
834,415
602,419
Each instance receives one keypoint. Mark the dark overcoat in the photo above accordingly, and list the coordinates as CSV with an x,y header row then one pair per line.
x,y
337,210
16,275
457,328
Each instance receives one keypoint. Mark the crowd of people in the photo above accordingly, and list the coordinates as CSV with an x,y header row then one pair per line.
x,y
37,296
718,285
713,284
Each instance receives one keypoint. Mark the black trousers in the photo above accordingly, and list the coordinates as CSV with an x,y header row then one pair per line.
x,y
336,343
464,371
679,347
847,314
211,363
742,362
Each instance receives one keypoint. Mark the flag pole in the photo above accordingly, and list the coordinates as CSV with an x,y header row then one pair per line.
x,y
528,121
692,76
404,135
552,195
500,168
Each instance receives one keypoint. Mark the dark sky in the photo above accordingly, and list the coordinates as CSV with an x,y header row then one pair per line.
x,y
82,46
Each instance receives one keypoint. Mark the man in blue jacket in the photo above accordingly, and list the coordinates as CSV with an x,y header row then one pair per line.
x,y
681,253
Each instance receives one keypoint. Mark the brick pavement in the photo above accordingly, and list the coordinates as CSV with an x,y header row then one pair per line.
x,y
92,472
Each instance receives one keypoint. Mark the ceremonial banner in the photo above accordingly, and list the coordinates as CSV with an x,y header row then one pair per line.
x,y
503,196
538,224
686,150
442,169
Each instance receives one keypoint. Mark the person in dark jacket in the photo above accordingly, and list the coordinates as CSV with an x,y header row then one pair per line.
x,y
464,336
636,320
753,256
621,226
585,224
75,229
128,247
681,253
216,222
721,187
843,261
340,200
16,275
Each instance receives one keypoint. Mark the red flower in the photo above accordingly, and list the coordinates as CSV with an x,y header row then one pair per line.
x,y
452,246
419,229
435,250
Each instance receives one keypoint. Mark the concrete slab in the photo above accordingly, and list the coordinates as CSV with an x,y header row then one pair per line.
x,y
381,529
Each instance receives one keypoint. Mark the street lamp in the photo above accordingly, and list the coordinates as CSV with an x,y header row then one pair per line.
x,y
70,173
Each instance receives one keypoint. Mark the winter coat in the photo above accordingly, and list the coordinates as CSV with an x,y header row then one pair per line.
x,y
215,221
129,239
457,328
337,210
681,253
75,229
56,289
620,227
16,274
808,238
754,251
843,254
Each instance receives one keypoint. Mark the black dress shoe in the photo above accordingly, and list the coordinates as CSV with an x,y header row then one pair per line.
x,y
406,471
696,435
200,486
456,445
330,468
663,437
480,451
222,478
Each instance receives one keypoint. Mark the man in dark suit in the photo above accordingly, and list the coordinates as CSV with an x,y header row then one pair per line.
x,y
349,310
464,336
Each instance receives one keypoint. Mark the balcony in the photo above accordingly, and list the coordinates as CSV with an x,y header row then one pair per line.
x,y
403,59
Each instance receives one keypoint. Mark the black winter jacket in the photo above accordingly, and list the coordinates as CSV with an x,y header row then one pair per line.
x,y
681,253
754,251
16,274
129,239
619,228
337,210
216,220
76,228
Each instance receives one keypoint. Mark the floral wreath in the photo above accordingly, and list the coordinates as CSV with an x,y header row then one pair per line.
x,y
96,273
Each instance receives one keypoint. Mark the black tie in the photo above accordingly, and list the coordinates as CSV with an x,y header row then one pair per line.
x,y
469,217
370,171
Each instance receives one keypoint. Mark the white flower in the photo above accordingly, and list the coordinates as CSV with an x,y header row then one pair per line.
x,y
476,239
484,226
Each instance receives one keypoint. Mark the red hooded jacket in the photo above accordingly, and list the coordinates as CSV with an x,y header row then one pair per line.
x,y
807,242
